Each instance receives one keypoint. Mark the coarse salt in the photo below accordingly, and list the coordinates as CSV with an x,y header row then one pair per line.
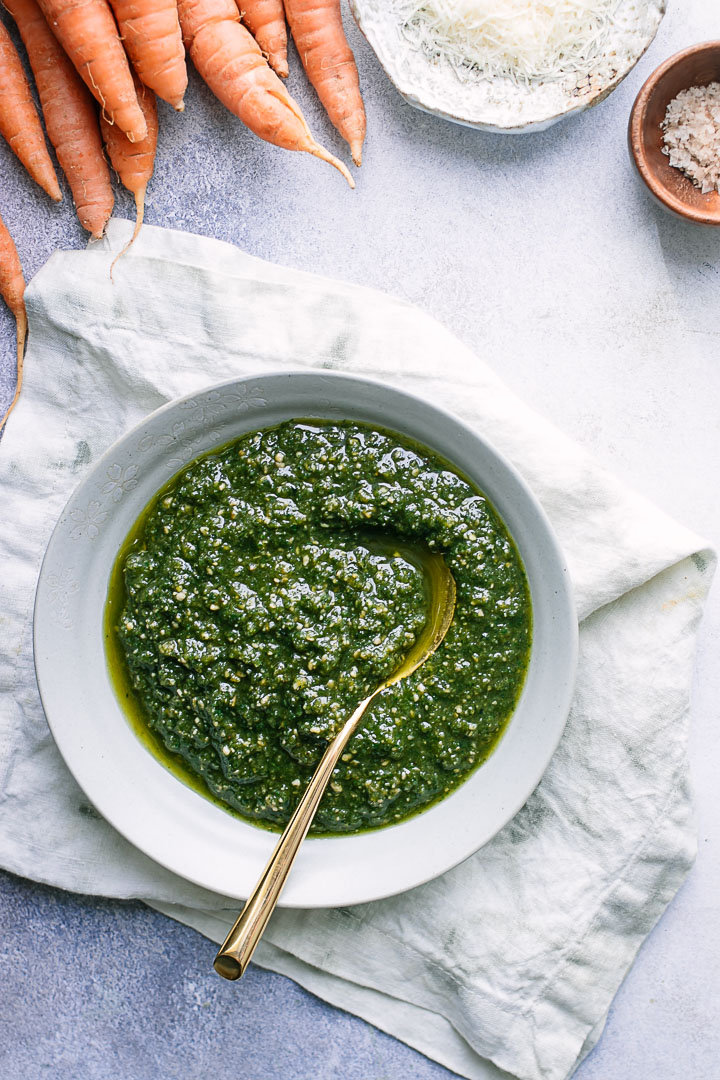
x,y
691,135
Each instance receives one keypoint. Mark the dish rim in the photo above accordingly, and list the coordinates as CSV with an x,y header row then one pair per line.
x,y
344,894
572,104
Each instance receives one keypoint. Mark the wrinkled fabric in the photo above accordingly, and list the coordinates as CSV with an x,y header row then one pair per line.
x,y
511,960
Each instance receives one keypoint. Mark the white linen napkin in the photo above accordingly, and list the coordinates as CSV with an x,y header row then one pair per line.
x,y
513,957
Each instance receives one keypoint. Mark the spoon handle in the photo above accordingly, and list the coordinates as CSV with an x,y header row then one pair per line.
x,y
235,952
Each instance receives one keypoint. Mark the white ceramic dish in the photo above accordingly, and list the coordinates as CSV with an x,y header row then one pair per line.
x,y
158,813
501,104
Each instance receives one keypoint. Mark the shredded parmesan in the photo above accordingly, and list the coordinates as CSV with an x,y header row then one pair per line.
x,y
523,40
691,135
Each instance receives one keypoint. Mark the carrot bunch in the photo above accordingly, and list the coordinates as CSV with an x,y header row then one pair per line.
x,y
238,46
98,66
123,50
232,64
70,117
19,122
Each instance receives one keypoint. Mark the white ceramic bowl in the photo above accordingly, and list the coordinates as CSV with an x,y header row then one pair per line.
x,y
500,104
158,813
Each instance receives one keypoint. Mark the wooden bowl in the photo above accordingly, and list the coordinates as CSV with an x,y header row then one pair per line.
x,y
696,66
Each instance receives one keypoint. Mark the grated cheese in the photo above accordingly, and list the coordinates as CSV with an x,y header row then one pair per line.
x,y
520,39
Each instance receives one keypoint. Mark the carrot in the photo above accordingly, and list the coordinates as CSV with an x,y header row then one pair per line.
x,y
150,31
19,121
265,19
231,63
134,162
12,289
70,117
318,33
87,32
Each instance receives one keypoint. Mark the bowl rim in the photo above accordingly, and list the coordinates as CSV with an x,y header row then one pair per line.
x,y
72,742
636,140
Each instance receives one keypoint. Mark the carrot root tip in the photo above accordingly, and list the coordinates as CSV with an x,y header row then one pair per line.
x,y
320,152
139,215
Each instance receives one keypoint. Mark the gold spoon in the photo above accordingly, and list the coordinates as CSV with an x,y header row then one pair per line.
x,y
239,945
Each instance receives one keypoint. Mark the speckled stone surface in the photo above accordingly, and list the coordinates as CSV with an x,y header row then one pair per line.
x,y
545,255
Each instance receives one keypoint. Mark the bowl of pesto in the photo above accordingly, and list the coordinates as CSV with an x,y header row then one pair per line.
x,y
234,604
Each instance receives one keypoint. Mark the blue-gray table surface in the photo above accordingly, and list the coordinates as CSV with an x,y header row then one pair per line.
x,y
546,256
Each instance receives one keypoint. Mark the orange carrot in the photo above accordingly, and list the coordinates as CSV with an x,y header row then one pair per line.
x,y
19,121
150,31
265,19
87,32
231,63
12,289
70,117
318,33
134,162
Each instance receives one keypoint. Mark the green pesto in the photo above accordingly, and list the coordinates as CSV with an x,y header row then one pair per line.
x,y
275,583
